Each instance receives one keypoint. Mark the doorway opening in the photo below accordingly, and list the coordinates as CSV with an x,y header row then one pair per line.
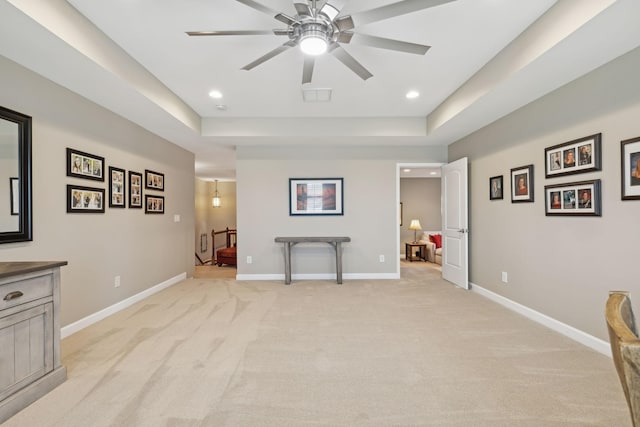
x,y
418,191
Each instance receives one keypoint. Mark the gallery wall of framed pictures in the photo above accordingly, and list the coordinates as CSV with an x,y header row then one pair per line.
x,y
85,199
574,198
582,198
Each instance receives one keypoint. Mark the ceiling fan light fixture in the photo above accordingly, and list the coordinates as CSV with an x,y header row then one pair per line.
x,y
313,40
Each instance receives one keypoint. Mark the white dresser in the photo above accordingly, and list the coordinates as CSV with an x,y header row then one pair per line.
x,y
30,363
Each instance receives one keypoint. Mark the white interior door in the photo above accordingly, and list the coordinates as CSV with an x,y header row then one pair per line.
x,y
455,223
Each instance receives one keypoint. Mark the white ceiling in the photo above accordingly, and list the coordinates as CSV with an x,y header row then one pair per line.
x,y
134,58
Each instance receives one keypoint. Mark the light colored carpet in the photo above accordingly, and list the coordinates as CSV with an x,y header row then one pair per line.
x,y
409,352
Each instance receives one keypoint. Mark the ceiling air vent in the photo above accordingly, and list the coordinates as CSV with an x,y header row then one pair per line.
x,y
316,95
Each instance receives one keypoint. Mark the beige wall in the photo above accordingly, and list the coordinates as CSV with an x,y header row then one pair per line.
x,y
209,218
144,250
562,267
370,206
420,199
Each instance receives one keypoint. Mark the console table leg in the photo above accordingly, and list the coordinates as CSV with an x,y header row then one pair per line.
x,y
287,263
339,262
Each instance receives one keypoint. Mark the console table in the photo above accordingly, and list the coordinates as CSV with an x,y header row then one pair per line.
x,y
289,242
29,333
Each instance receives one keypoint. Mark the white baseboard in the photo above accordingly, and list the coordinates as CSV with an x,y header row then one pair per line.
x,y
590,341
96,317
348,276
259,276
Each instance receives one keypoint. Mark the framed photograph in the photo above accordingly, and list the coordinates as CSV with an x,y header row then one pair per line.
x,y
522,184
84,165
135,190
315,196
203,242
153,180
116,187
577,156
495,188
14,187
153,204
573,199
85,199
630,153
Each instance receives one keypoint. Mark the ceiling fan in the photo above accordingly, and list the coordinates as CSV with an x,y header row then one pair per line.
x,y
318,27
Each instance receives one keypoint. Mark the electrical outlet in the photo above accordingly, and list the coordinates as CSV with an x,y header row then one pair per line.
x,y
249,259
505,277
116,282
176,218
381,258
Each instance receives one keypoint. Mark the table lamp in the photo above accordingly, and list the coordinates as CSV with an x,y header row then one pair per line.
x,y
415,226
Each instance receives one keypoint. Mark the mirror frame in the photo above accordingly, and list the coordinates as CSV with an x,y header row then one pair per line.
x,y
25,226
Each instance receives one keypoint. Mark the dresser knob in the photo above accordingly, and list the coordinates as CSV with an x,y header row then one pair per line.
x,y
13,295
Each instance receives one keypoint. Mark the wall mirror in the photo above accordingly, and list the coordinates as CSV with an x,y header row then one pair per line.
x,y
15,176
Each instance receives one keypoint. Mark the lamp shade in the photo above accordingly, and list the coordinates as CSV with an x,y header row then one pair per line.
x,y
415,226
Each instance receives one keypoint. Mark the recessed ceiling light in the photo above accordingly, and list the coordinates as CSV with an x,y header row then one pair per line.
x,y
215,94
221,107
412,94
407,170
433,173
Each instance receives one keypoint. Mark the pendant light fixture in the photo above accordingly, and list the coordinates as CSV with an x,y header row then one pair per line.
x,y
215,202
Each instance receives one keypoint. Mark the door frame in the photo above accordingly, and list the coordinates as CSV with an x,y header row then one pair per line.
x,y
400,166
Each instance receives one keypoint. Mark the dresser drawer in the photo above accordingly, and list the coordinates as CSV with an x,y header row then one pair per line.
x,y
31,289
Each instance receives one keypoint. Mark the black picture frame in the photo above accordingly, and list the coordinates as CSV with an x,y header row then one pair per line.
x,y
82,199
203,242
14,196
153,180
522,191
581,198
577,156
117,186
316,196
135,190
630,169
496,188
153,204
84,165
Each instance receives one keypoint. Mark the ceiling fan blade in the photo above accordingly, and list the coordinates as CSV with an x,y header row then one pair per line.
x,y
303,9
282,32
344,37
394,9
231,33
258,6
307,70
348,60
382,43
344,23
285,19
269,55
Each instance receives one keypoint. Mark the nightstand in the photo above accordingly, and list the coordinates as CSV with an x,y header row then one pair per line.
x,y
409,251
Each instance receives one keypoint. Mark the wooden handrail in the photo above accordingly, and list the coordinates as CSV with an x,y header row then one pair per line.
x,y
231,235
